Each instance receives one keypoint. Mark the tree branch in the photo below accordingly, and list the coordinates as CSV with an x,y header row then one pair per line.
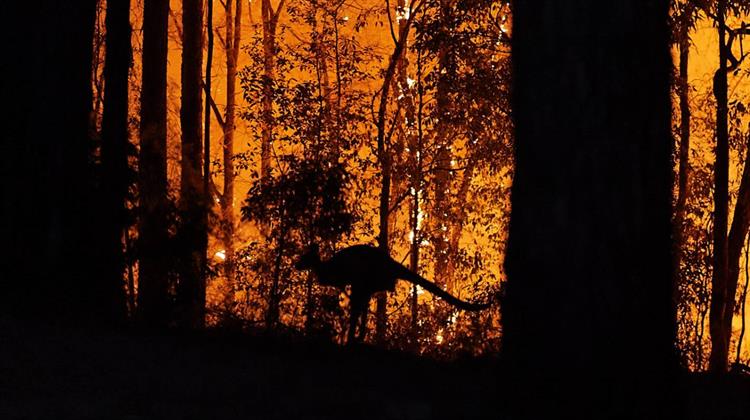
x,y
215,108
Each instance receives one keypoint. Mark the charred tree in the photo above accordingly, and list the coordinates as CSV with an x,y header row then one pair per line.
x,y
683,23
45,172
193,227
114,217
153,247
719,349
589,267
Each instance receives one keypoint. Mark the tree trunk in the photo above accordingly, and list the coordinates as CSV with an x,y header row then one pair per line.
x,y
274,296
589,293
233,39
414,159
384,160
114,156
270,20
193,198
414,262
457,227
683,176
441,184
743,300
737,235
719,283
153,265
209,200
44,172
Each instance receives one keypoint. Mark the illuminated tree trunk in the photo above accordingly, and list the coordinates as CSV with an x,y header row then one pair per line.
x,y
719,296
328,127
413,134
97,73
588,310
385,162
233,38
329,147
193,235
114,156
207,182
153,247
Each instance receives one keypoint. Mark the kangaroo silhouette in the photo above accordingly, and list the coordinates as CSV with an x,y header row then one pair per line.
x,y
368,270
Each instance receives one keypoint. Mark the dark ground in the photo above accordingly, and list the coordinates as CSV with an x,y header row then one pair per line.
x,y
48,372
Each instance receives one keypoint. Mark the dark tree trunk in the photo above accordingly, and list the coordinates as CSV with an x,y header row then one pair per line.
x,y
683,176
737,235
719,297
153,267
110,266
207,122
385,163
270,21
588,319
44,165
193,235
411,136
443,156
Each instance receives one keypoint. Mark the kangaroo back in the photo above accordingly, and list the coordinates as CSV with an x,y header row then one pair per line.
x,y
410,276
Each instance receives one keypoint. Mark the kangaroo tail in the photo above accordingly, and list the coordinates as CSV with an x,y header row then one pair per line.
x,y
433,288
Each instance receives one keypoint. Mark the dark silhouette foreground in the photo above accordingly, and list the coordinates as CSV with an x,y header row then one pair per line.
x,y
52,372
589,292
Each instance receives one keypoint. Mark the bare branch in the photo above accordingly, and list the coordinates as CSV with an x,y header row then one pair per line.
x,y
215,108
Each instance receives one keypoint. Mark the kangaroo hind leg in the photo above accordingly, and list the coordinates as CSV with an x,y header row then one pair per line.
x,y
363,323
357,304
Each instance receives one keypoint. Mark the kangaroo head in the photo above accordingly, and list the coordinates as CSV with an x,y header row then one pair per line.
x,y
310,259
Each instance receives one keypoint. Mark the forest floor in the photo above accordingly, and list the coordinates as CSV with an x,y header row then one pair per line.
x,y
49,372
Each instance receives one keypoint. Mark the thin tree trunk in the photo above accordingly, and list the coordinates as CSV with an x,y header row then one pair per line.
x,y
457,226
153,265
418,179
719,291
192,288
270,21
683,176
414,260
97,72
441,196
384,160
114,155
414,158
272,316
233,38
207,182
737,359
129,242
